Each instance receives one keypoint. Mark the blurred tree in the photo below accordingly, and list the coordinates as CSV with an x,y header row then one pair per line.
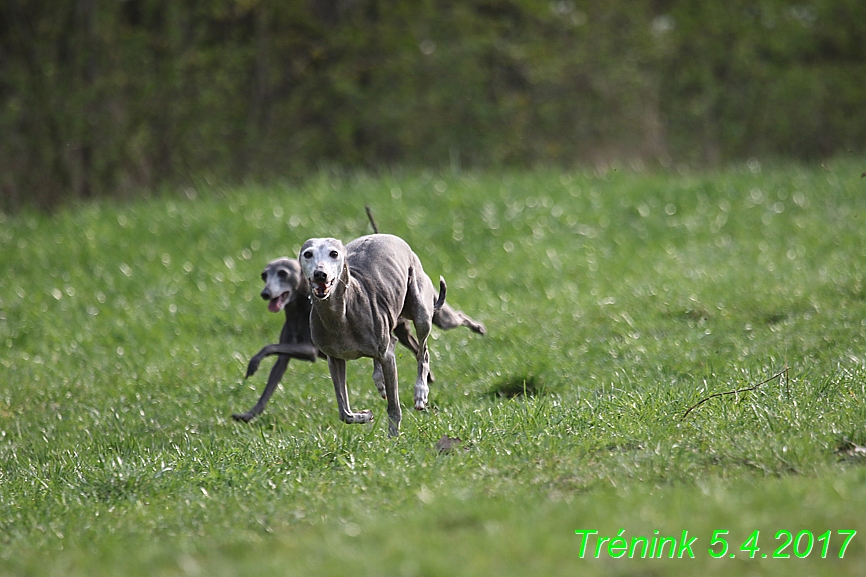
x,y
104,97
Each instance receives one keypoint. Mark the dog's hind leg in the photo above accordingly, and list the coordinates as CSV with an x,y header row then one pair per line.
x,y
422,315
407,339
388,365
337,368
379,379
447,318
422,389
401,331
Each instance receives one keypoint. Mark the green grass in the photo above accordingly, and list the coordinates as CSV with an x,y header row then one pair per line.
x,y
614,302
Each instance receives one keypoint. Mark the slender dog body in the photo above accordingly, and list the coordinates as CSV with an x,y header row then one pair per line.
x,y
359,294
287,290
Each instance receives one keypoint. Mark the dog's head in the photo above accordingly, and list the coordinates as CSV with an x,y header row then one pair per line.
x,y
283,283
323,261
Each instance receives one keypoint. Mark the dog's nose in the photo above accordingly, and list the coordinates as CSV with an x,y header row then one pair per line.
x,y
266,295
320,276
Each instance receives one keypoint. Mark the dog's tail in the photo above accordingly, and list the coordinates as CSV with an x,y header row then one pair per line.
x,y
370,216
441,300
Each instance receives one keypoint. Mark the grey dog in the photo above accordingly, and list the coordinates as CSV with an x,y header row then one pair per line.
x,y
360,292
287,290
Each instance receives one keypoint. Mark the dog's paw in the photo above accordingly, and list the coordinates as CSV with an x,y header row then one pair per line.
x,y
243,417
360,417
420,403
252,367
421,392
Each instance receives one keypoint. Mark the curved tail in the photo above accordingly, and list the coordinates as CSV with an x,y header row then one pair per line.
x,y
441,300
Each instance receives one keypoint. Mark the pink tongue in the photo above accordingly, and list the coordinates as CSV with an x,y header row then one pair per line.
x,y
274,305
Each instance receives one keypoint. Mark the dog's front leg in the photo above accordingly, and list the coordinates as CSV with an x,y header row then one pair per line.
x,y
277,372
389,372
337,368
302,351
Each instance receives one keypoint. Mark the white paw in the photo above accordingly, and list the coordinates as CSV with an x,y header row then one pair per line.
x,y
359,417
421,392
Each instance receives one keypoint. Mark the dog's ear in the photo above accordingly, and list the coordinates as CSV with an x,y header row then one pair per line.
x,y
344,254
296,275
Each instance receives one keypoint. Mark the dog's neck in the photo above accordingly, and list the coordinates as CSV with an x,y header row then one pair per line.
x,y
300,300
302,290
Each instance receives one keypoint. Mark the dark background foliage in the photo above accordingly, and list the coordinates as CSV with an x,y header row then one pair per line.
x,y
105,97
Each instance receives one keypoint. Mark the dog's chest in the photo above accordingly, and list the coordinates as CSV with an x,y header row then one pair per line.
x,y
347,337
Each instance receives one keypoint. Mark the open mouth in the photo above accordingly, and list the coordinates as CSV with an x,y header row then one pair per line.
x,y
277,304
321,290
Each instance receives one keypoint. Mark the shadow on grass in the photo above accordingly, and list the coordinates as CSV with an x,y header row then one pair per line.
x,y
518,386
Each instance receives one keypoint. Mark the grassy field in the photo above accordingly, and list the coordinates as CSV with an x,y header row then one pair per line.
x,y
614,302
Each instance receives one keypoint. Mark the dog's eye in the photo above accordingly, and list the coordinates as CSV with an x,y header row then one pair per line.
x,y
308,254
264,276
334,254
283,274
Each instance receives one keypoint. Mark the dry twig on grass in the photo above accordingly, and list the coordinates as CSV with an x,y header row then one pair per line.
x,y
738,391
